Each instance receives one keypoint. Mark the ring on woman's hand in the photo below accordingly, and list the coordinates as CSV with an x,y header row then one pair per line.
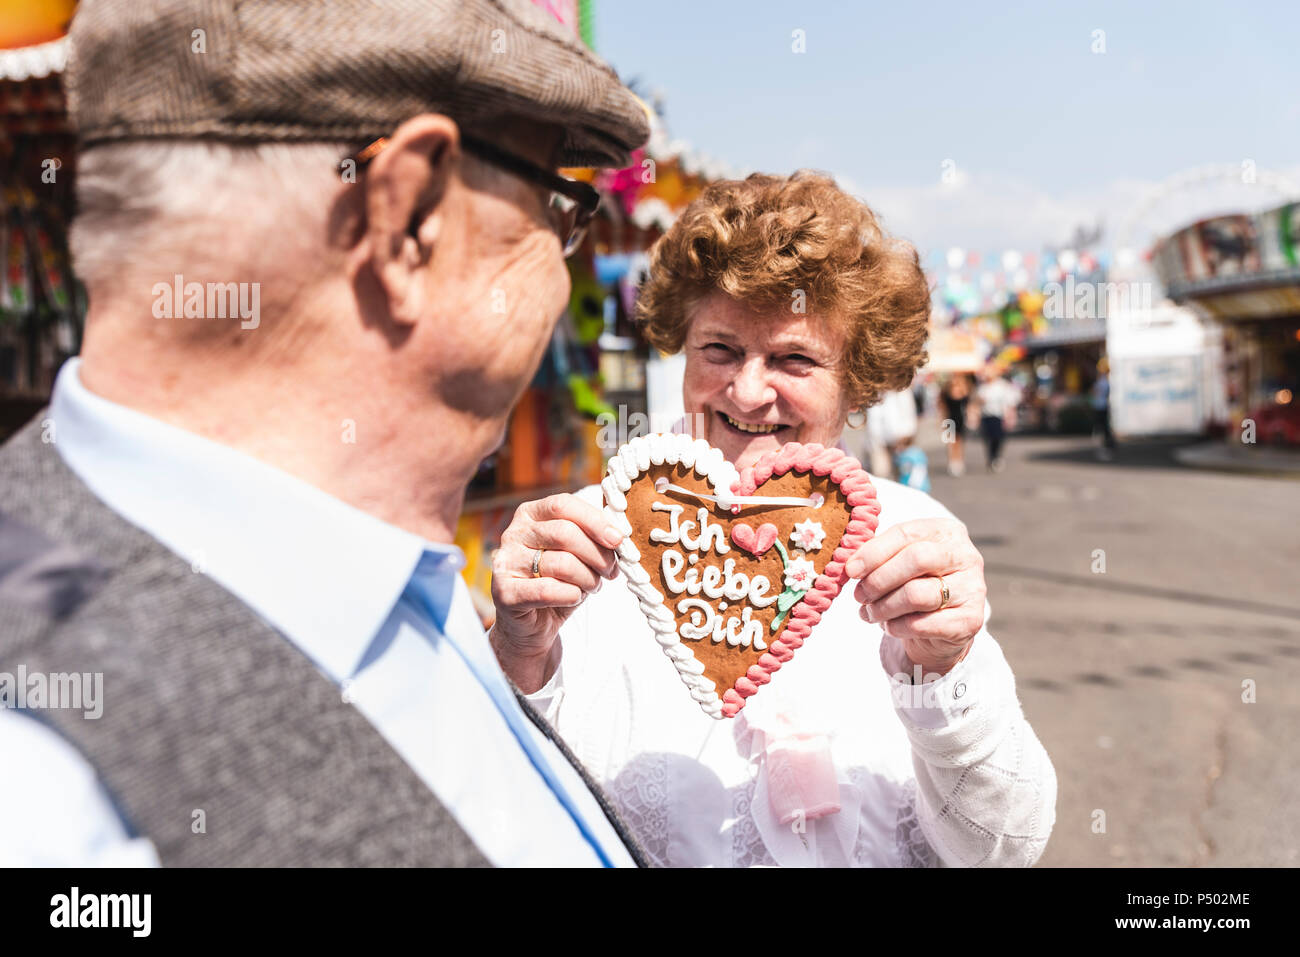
x,y
537,563
943,593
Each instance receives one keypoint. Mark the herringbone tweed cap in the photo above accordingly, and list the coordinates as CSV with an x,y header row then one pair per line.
x,y
286,70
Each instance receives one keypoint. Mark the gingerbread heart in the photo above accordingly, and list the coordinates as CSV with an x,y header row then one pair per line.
x,y
733,569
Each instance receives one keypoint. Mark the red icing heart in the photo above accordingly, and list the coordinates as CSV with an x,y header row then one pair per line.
x,y
756,543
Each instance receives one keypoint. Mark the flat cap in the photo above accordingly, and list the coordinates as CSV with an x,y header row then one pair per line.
x,y
340,70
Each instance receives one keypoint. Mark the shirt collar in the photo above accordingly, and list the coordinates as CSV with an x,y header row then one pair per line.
x,y
325,574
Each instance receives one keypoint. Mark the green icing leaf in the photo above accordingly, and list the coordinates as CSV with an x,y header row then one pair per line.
x,y
784,602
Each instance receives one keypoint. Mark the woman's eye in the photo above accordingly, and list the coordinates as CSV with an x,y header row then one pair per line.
x,y
798,361
717,350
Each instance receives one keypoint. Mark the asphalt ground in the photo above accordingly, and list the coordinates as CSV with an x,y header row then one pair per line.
x,y
1140,602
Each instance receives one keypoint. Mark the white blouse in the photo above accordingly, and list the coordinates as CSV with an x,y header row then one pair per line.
x,y
945,774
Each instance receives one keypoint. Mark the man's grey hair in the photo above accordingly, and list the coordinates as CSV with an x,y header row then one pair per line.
x,y
154,205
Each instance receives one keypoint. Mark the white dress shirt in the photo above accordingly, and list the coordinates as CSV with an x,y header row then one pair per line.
x,y
331,579
956,779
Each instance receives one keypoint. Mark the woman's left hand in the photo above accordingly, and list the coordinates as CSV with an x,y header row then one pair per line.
x,y
900,591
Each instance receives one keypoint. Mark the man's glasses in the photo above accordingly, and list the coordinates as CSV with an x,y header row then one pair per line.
x,y
571,205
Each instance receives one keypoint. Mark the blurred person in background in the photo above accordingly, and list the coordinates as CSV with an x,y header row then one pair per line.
x,y
953,399
243,519
920,388
891,423
911,467
997,399
958,777
1100,400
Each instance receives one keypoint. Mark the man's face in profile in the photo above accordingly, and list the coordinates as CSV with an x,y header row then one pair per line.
x,y
507,274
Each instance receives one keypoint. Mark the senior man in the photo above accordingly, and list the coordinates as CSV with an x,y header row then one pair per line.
x,y
323,246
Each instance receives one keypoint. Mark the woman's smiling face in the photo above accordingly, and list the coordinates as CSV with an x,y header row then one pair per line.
x,y
761,379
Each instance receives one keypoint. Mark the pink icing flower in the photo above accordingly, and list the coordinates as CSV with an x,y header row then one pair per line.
x,y
808,535
800,574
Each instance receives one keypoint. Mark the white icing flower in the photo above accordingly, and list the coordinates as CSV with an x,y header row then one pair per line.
x,y
808,535
800,574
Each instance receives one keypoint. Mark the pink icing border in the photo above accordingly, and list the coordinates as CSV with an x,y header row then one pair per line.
x,y
853,480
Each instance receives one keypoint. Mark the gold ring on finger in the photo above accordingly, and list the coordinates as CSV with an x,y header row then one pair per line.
x,y
944,596
537,563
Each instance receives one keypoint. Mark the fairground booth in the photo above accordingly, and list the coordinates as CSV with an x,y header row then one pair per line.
x,y
1243,272
41,303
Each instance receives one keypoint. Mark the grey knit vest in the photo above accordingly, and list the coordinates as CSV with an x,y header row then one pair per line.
x,y
219,740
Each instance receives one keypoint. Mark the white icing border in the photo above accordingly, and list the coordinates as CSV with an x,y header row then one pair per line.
x,y
625,467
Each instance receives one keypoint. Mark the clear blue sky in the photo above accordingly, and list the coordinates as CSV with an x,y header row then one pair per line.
x,y
1010,92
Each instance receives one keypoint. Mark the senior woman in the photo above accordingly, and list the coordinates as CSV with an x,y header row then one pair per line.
x,y
894,737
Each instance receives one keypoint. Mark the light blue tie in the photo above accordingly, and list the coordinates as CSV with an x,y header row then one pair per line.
x,y
422,597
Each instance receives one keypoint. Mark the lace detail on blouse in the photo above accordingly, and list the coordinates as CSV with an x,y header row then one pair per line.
x,y
640,793
747,847
913,849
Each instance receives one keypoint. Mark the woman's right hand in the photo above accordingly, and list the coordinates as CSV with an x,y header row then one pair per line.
x,y
576,543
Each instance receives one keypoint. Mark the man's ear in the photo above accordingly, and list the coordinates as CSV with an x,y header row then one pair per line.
x,y
405,186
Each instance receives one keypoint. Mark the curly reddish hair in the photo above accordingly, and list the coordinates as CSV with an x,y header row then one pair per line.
x,y
760,239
